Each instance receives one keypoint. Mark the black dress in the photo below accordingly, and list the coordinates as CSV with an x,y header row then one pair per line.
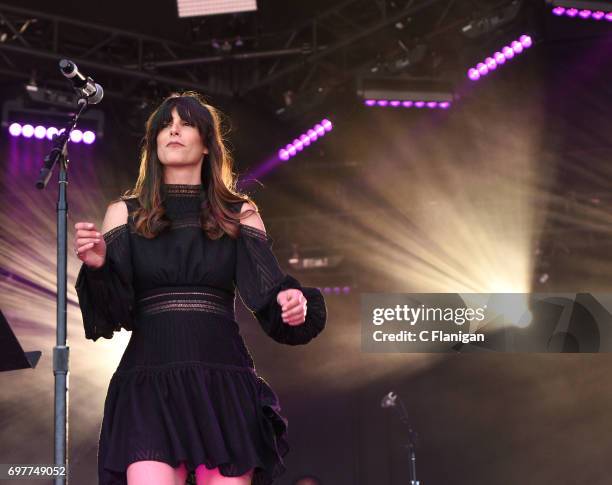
x,y
186,389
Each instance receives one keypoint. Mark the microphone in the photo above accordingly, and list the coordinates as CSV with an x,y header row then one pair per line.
x,y
85,86
389,400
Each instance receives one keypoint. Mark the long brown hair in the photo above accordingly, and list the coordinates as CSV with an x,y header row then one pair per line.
x,y
217,171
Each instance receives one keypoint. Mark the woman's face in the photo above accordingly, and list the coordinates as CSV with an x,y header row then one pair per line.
x,y
179,143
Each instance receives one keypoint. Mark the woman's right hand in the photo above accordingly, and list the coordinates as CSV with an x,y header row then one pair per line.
x,y
89,245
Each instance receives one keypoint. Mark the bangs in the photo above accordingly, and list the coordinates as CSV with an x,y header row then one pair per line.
x,y
188,108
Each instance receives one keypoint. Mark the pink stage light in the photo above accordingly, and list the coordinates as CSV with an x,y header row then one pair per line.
x,y
27,131
491,63
51,132
89,137
40,132
15,129
583,11
76,136
415,104
305,139
558,11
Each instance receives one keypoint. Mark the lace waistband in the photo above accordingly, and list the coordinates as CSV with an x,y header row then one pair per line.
x,y
186,299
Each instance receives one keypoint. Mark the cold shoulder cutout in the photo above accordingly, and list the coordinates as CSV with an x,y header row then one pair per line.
x,y
259,278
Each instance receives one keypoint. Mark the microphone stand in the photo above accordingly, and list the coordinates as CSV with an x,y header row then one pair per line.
x,y
59,156
390,401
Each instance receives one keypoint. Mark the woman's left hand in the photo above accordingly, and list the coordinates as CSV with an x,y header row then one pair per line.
x,y
293,303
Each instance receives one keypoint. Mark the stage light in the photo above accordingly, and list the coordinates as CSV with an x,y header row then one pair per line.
x,y
76,136
395,93
193,8
51,132
15,129
500,57
585,10
89,137
305,139
40,132
27,131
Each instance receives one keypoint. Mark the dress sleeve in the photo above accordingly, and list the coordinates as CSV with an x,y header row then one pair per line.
x,y
259,279
106,294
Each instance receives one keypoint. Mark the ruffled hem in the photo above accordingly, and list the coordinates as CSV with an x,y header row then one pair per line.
x,y
220,416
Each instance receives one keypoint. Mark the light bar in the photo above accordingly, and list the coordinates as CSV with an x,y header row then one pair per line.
x,y
417,103
317,131
41,132
500,57
401,92
193,8
336,290
583,10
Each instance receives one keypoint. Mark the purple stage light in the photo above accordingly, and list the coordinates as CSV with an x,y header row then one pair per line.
x,y
482,68
498,58
508,52
305,139
583,13
40,132
89,137
312,135
526,41
444,105
51,132
76,136
407,103
27,131
299,146
517,46
15,129
370,102
558,10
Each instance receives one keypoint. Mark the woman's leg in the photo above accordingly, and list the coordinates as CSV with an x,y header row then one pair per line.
x,y
204,476
155,473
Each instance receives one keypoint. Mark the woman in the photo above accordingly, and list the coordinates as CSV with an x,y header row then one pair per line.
x,y
185,398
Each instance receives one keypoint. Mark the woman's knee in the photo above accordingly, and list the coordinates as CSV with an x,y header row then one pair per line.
x,y
148,472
